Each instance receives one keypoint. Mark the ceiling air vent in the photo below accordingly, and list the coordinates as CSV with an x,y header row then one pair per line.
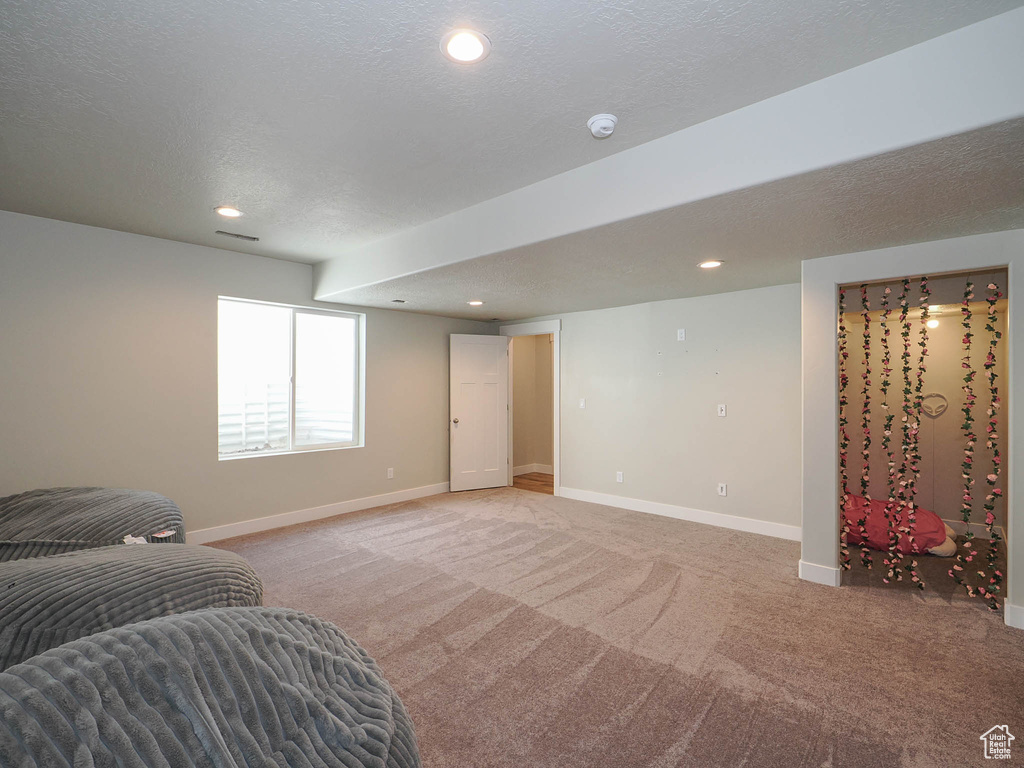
x,y
237,236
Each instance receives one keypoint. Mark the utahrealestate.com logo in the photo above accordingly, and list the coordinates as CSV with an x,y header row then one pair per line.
x,y
997,742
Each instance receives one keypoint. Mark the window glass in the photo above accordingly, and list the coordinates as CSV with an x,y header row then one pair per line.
x,y
325,358
288,379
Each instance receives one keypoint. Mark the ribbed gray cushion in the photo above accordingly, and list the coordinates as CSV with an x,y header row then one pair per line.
x,y
221,687
49,521
47,601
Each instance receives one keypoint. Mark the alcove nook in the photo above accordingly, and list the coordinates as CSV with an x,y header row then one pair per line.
x,y
821,279
922,408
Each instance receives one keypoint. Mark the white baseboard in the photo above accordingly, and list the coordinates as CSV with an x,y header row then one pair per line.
x,y
750,525
1013,615
979,529
820,574
526,469
216,533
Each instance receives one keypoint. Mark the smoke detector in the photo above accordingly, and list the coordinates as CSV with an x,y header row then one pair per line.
x,y
602,125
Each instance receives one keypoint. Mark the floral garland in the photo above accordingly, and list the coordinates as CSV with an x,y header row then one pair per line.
x,y
865,475
915,431
971,439
991,592
902,482
844,434
892,556
906,425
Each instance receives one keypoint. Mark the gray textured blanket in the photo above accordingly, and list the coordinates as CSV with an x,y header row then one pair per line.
x,y
220,687
47,601
48,521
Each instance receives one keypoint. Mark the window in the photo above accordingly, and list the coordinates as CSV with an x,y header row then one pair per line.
x,y
288,379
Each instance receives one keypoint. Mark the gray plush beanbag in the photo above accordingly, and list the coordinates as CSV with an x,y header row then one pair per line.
x,y
219,687
48,521
47,601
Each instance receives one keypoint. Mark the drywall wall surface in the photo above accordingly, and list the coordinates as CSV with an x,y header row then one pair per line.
x,y
821,278
524,372
109,377
651,402
532,427
544,398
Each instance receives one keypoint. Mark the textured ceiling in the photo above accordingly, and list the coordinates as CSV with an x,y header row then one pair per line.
x,y
966,184
334,124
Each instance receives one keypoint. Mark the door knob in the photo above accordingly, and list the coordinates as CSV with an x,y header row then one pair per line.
x,y
455,421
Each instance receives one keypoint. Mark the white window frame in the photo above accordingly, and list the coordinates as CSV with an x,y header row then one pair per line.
x,y
358,413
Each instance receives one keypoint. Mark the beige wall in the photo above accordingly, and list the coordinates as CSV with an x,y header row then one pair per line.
x,y
651,402
532,400
109,377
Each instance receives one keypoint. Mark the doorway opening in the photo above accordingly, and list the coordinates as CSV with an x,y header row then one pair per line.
x,y
922,411
533,417
531,405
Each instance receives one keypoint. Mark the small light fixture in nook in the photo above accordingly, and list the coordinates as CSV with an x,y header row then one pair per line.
x,y
465,46
228,211
711,264
475,303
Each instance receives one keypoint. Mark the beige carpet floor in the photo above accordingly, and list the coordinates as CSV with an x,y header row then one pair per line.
x,y
528,630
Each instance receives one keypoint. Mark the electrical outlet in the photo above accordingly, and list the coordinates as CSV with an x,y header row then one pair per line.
x,y
618,477
721,410
723,489
583,402
681,334
391,473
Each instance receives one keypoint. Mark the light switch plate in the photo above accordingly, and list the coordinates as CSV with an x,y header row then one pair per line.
x,y
681,334
721,409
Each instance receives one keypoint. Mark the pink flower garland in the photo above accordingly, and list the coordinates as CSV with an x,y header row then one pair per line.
x,y
971,439
914,449
892,557
904,489
865,475
995,577
844,435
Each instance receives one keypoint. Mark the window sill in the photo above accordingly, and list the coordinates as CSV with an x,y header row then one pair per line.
x,y
294,452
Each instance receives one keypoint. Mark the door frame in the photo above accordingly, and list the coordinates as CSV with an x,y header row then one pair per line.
x,y
554,327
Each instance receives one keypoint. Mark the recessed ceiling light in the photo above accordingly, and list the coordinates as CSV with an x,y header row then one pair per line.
x,y
465,46
475,303
228,211
710,264
932,323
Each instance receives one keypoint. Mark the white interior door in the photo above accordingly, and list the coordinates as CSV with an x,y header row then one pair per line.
x,y
479,411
